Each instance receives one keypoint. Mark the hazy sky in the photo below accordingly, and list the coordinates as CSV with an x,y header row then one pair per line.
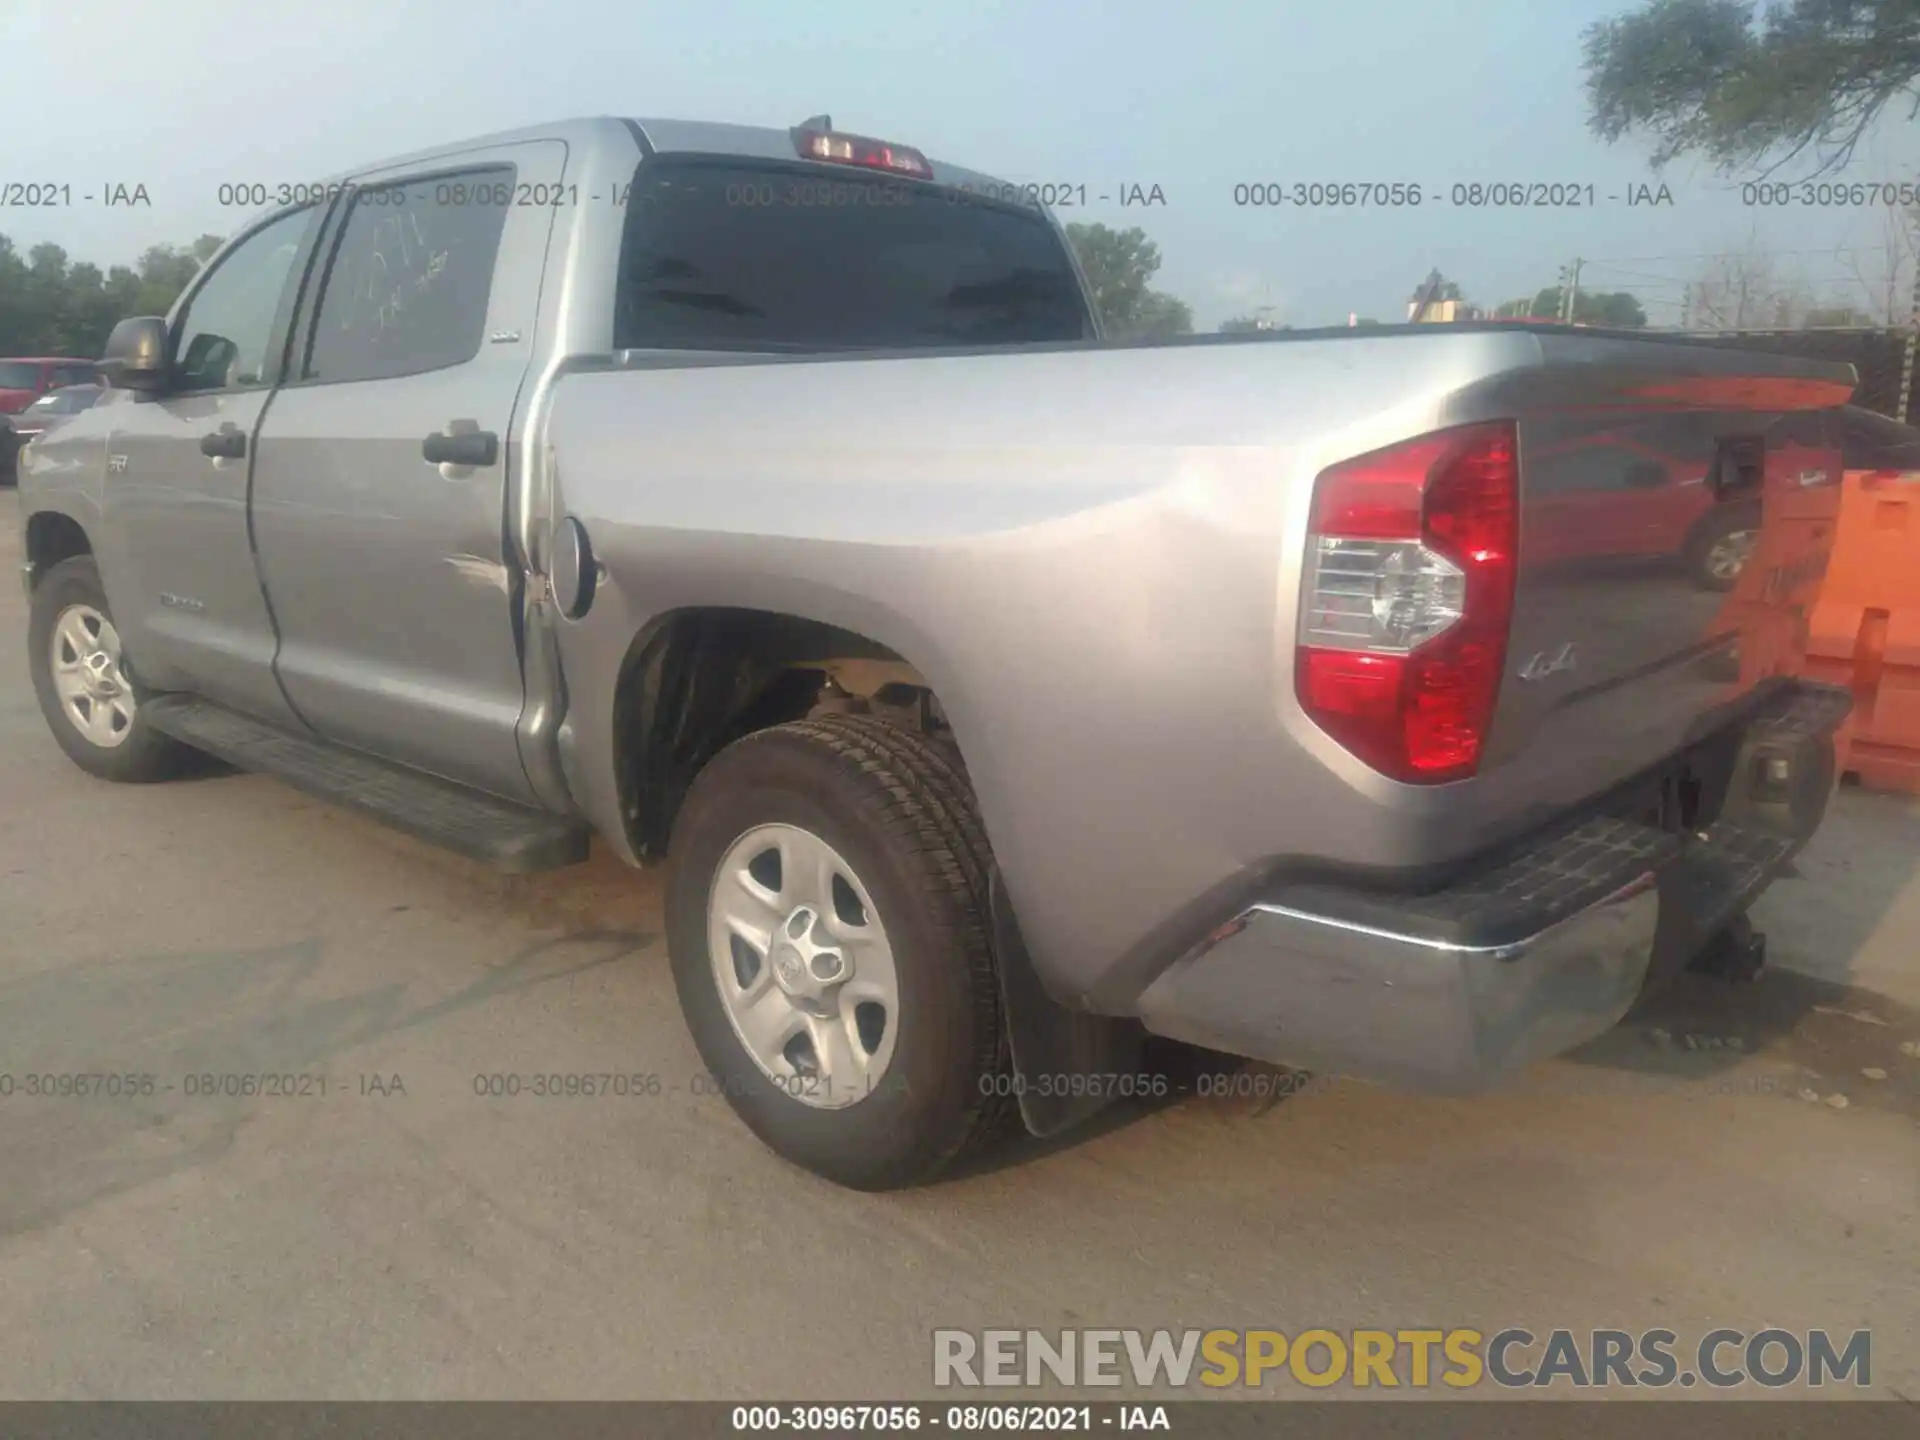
x,y
1194,96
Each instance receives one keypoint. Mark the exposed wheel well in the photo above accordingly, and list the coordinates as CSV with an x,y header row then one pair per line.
x,y
51,538
699,679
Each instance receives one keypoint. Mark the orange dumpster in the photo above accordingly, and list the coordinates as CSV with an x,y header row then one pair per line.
x,y
1864,631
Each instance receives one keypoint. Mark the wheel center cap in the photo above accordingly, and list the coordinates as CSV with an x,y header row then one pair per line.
x,y
98,666
803,967
789,968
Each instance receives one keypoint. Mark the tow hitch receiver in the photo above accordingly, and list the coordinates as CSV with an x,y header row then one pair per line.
x,y
1737,953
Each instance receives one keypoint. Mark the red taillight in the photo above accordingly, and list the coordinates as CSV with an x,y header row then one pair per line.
x,y
1408,598
862,150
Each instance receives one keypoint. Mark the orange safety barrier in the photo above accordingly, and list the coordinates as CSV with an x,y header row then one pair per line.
x,y
1864,632
1770,603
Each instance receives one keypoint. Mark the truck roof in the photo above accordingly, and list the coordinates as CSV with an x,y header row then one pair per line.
x,y
703,137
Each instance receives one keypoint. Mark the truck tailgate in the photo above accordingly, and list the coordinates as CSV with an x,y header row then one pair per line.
x,y
1677,512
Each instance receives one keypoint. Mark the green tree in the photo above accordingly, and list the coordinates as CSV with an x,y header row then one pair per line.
x,y
1159,317
1119,264
1614,308
52,306
1716,78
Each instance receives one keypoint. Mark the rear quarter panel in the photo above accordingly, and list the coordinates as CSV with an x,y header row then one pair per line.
x,y
1092,553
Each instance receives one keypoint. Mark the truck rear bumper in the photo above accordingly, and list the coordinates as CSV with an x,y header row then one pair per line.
x,y
1517,961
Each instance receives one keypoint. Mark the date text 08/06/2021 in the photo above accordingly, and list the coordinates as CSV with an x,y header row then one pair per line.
x,y
1061,194
1031,1419
793,193
1465,194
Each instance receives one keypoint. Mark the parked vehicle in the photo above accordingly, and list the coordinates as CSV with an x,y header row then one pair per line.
x,y
44,414
767,501
26,378
1721,539
1615,497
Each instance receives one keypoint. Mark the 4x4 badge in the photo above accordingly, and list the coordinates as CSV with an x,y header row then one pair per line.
x,y
1544,664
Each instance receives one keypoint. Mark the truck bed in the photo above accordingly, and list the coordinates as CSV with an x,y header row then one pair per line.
x,y
1093,552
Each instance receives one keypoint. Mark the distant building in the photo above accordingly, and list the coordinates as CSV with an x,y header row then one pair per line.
x,y
1442,311
1444,305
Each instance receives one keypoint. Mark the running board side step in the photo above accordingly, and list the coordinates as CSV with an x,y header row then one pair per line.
x,y
510,837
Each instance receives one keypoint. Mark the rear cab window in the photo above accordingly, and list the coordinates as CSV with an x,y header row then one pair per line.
x,y
770,255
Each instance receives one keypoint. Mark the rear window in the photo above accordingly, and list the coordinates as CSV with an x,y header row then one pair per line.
x,y
719,255
16,375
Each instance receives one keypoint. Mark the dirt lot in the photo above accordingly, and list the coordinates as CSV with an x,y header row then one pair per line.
x,y
403,1237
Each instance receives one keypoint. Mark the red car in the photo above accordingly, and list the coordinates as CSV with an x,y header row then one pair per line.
x,y
24,379
1618,495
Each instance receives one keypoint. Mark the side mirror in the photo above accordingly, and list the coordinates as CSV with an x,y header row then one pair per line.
x,y
136,357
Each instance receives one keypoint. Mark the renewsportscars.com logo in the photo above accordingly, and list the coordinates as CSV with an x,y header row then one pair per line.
x,y
1458,1358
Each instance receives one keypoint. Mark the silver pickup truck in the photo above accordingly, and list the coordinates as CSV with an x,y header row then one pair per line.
x,y
1000,695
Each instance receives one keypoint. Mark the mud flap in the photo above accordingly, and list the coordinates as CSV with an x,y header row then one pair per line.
x,y
1052,1045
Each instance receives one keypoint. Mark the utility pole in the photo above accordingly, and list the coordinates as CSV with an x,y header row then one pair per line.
x,y
1906,361
1570,291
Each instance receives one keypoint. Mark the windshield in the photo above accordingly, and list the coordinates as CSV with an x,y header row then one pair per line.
x,y
70,401
724,255
19,375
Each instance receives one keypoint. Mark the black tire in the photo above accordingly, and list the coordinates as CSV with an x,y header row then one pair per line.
x,y
903,816
1715,529
145,754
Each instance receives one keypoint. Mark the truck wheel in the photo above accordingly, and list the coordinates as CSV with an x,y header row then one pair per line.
x,y
1721,551
828,926
91,703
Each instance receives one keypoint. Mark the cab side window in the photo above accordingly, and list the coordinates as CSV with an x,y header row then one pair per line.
x,y
411,277
222,340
